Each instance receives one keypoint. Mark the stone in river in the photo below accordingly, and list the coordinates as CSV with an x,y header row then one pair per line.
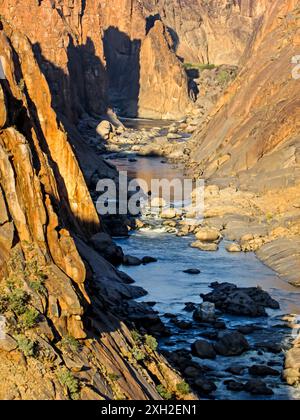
x,y
257,387
149,260
236,370
208,247
250,301
231,343
131,261
193,271
203,349
205,386
234,386
261,370
206,312
208,235
233,248
189,307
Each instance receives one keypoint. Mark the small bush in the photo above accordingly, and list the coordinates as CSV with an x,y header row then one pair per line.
x,y
69,342
138,354
17,301
199,66
183,388
137,338
67,379
26,346
223,77
29,318
37,286
164,393
151,342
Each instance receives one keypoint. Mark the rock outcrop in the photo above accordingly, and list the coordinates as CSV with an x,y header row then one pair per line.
x,y
214,31
95,54
254,129
61,340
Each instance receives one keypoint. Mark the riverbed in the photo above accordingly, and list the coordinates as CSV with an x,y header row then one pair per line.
x,y
170,288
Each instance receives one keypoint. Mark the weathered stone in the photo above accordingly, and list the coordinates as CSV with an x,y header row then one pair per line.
x,y
205,246
257,387
104,129
231,344
207,235
203,349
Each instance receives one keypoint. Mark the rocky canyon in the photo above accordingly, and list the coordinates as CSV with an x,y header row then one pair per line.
x,y
205,89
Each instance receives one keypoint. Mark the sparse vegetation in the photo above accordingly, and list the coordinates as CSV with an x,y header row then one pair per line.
x,y
137,338
26,346
199,66
68,380
21,85
164,393
223,77
183,388
138,354
29,318
70,343
151,342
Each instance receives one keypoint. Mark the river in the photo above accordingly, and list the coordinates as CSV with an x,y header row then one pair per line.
x,y
170,288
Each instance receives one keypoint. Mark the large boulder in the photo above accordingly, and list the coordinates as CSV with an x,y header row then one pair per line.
x,y
251,301
203,349
257,387
231,343
206,312
104,129
207,235
107,248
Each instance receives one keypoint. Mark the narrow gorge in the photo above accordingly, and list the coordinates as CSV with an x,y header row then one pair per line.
x,y
165,300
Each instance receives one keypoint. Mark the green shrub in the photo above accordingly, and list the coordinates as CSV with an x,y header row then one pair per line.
x,y
67,379
38,286
164,393
26,346
29,318
17,301
138,354
223,77
183,388
137,338
199,66
69,342
151,342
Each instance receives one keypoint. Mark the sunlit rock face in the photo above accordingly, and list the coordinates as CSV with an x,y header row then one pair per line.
x,y
215,31
92,55
47,264
256,123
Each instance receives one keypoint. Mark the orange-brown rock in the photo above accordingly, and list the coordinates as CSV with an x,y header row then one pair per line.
x,y
82,46
45,212
256,124
215,31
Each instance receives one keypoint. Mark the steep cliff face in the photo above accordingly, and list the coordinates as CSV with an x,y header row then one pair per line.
x,y
255,126
61,340
145,77
215,31
66,40
90,53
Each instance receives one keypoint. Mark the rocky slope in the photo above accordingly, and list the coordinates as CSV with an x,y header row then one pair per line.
x,y
255,125
58,295
215,31
96,54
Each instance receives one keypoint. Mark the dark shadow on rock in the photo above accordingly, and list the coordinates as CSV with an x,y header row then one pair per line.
x,y
150,22
123,70
83,88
